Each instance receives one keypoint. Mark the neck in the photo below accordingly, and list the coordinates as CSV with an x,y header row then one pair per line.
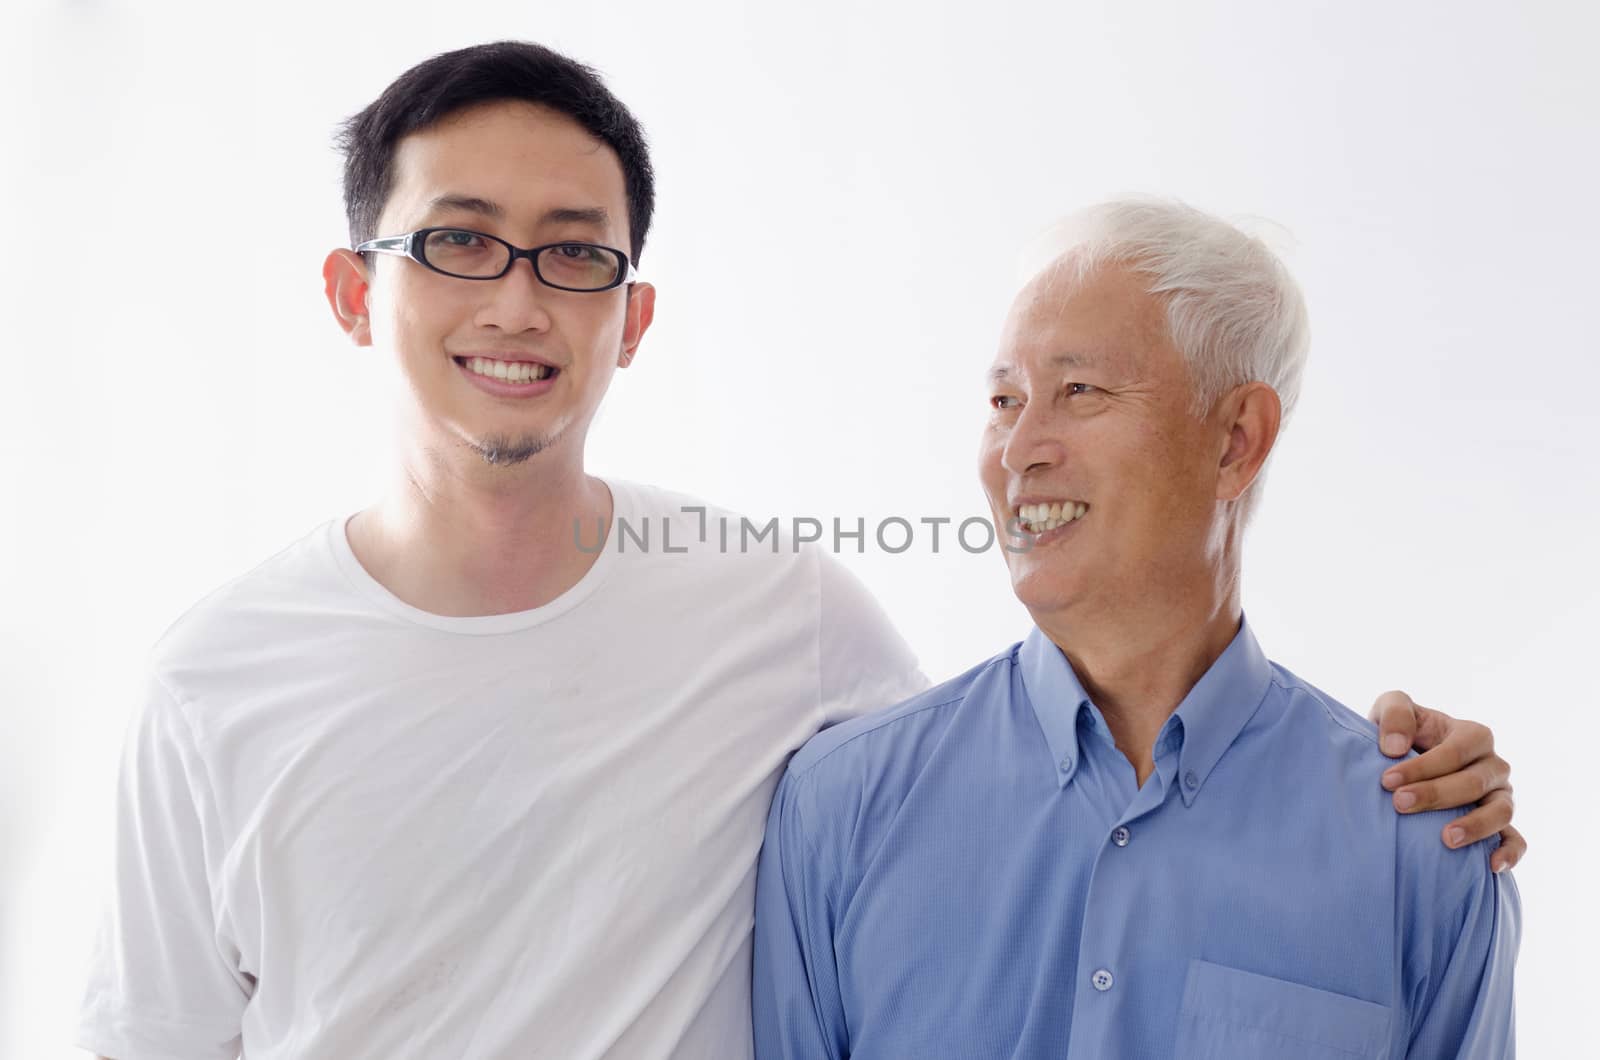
x,y
1138,663
455,536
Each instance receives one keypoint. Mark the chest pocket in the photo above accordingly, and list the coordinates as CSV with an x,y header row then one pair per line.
x,y
1232,1015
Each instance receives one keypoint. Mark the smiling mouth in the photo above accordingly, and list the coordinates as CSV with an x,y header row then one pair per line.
x,y
1041,518
507,371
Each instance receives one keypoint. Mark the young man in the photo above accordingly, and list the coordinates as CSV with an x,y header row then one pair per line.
x,y
1130,835
440,780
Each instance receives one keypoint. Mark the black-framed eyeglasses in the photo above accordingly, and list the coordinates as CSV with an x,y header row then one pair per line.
x,y
570,265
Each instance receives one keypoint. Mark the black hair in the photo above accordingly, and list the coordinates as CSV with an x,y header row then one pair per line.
x,y
504,70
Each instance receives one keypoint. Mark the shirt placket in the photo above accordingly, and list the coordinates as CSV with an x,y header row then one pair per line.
x,y
1109,917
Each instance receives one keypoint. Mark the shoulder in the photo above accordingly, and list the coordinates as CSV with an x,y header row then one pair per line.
x,y
691,533
748,558
218,637
1310,705
1431,872
243,611
840,762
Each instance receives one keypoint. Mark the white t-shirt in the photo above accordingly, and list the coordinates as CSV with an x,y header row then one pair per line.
x,y
350,828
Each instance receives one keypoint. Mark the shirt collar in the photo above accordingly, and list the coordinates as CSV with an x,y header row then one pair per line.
x,y
1056,696
1211,715
1218,706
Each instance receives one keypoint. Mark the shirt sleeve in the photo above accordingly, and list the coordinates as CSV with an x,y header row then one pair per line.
x,y
1460,962
796,1007
164,983
864,663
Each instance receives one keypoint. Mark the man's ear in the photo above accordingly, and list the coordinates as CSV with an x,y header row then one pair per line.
x,y
345,282
641,311
1252,413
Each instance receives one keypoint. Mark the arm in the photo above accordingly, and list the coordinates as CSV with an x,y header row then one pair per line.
x,y
164,978
1459,961
796,1007
864,664
1458,767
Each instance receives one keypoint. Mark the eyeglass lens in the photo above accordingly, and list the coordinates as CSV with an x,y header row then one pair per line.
x,y
576,266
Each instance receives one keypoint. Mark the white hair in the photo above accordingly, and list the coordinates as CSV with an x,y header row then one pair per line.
x,y
1233,310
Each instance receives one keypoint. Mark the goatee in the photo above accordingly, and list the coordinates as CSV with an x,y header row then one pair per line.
x,y
500,451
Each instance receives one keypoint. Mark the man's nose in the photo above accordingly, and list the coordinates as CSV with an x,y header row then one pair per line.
x,y
518,301
1032,445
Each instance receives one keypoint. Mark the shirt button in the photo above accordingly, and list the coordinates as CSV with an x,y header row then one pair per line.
x,y
1066,764
1191,780
1101,979
1121,837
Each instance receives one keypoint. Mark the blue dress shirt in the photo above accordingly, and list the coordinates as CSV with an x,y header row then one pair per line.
x,y
976,874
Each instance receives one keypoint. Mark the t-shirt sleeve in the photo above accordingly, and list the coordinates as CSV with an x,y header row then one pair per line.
x,y
164,982
864,663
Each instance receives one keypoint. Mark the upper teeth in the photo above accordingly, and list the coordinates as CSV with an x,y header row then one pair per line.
x,y
510,371
1037,518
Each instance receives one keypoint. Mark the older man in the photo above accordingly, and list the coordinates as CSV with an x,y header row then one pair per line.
x,y
1130,835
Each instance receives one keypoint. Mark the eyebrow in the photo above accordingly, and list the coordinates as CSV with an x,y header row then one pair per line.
x,y
592,215
1000,373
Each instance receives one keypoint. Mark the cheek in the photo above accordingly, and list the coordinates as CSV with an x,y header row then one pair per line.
x,y
1168,489
991,473
594,332
1148,458
1191,476
407,314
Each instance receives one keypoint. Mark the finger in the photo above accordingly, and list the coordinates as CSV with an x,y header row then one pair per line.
x,y
1434,727
1485,821
1396,716
1460,749
1512,847
1461,788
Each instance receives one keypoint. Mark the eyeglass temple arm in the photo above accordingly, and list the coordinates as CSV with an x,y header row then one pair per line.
x,y
389,244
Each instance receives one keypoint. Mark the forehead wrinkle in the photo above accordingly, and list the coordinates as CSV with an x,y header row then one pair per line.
x,y
1073,359
1127,321
1046,303
1002,373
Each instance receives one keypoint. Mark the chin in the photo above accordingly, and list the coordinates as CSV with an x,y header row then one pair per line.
x,y
1044,591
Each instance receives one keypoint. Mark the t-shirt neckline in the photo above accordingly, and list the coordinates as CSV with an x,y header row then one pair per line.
x,y
344,558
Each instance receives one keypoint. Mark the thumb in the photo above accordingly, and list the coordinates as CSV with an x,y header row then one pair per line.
x,y
1396,716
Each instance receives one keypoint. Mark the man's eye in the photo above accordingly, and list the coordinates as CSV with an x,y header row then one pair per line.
x,y
1079,388
1002,401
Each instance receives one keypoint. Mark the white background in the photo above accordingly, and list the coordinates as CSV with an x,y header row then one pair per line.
x,y
844,190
